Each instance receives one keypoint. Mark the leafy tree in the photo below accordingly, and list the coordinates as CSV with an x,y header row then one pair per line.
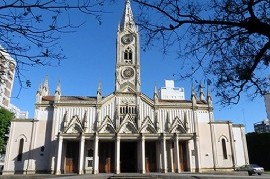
x,y
227,41
30,30
5,118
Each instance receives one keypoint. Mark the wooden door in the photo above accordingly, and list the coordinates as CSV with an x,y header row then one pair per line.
x,y
108,165
150,156
71,160
106,157
69,165
147,165
183,156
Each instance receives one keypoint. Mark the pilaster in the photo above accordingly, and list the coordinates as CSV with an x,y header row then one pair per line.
x,y
117,155
164,168
142,154
31,163
59,155
197,153
232,144
96,157
81,161
176,155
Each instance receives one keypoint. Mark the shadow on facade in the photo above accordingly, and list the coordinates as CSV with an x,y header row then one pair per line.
x,y
37,159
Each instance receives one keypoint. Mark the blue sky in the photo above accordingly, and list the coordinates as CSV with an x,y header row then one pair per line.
x,y
91,58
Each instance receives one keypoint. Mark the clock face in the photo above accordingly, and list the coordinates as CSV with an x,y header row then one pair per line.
x,y
128,72
128,38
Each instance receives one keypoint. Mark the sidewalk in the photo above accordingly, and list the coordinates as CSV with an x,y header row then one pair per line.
x,y
123,175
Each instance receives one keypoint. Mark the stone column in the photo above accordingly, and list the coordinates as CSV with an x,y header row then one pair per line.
x,y
81,160
197,153
96,157
117,155
143,154
164,155
176,155
171,157
59,155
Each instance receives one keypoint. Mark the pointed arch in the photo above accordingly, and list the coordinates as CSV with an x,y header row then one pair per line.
x,y
177,126
223,144
107,126
21,136
223,137
148,126
128,125
74,126
128,55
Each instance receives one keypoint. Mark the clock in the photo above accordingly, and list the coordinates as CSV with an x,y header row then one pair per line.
x,y
128,38
128,72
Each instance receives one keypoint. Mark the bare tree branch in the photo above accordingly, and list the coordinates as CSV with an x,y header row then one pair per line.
x,y
30,30
227,41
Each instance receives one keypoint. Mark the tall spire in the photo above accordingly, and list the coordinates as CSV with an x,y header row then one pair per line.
x,y
127,21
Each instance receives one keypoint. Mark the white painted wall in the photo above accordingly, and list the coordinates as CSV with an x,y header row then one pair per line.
x,y
18,132
222,131
239,146
206,154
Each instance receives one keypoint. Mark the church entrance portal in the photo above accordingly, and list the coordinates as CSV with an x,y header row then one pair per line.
x,y
106,157
183,156
128,157
150,156
72,157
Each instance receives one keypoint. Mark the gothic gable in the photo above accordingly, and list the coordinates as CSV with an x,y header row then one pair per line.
x,y
74,125
128,125
148,126
107,126
178,126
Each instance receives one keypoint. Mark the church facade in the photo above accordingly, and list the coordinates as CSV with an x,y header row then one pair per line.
x,y
125,131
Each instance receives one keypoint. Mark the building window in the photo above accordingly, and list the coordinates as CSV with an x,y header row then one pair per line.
x,y
128,55
20,150
224,149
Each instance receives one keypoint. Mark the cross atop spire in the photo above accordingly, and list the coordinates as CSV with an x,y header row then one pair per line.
x,y
127,21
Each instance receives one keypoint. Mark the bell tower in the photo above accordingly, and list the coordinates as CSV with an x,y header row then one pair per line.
x,y
127,72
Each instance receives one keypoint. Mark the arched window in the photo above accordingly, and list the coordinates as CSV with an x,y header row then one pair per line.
x,y
19,158
224,149
128,55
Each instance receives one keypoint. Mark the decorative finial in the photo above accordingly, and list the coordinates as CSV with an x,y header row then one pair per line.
x,y
45,89
99,92
156,95
57,93
202,97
